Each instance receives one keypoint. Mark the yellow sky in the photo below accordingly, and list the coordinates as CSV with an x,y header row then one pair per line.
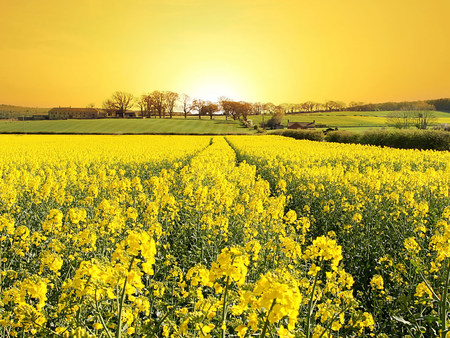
x,y
73,53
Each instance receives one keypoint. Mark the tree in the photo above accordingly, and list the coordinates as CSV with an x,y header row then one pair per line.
x,y
275,121
424,118
269,108
150,105
257,108
141,102
119,103
187,105
333,105
400,119
296,107
242,109
309,106
209,108
354,105
235,109
198,106
227,106
288,107
419,114
157,99
170,101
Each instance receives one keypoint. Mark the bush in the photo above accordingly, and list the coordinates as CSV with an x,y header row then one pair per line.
x,y
313,135
342,136
276,132
274,122
403,139
408,139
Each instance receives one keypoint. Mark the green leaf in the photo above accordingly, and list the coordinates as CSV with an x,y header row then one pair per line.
x,y
402,320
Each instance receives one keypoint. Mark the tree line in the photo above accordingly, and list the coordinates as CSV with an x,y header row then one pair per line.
x,y
164,103
439,104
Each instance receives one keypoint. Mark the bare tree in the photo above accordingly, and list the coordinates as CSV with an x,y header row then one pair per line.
x,y
158,102
424,118
148,102
141,102
330,105
288,107
309,106
268,108
170,101
187,104
120,102
419,114
198,106
400,119
340,105
257,108
354,104
296,107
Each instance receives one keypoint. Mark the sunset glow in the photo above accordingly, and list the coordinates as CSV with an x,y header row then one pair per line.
x,y
73,53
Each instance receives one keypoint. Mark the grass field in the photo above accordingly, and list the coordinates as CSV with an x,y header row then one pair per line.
x,y
151,126
354,121
8,111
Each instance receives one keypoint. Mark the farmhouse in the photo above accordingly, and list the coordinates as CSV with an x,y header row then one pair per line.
x,y
63,113
302,125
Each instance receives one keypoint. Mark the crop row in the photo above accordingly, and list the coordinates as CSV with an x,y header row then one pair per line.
x,y
389,210
191,237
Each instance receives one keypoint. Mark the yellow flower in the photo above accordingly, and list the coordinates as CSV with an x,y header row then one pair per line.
x,y
279,296
423,290
231,262
411,245
324,248
241,330
284,333
377,282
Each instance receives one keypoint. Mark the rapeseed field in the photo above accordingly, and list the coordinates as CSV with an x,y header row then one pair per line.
x,y
243,236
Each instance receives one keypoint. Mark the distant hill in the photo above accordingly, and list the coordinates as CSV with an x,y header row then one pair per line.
x,y
9,111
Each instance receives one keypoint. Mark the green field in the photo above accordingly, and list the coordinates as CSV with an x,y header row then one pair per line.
x,y
9,111
125,126
349,120
354,121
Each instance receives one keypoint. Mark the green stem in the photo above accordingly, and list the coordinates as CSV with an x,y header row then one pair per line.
x,y
100,316
429,286
266,323
310,303
328,327
81,302
122,299
444,304
161,321
224,308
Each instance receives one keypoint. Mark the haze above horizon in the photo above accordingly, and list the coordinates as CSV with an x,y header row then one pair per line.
x,y
74,53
